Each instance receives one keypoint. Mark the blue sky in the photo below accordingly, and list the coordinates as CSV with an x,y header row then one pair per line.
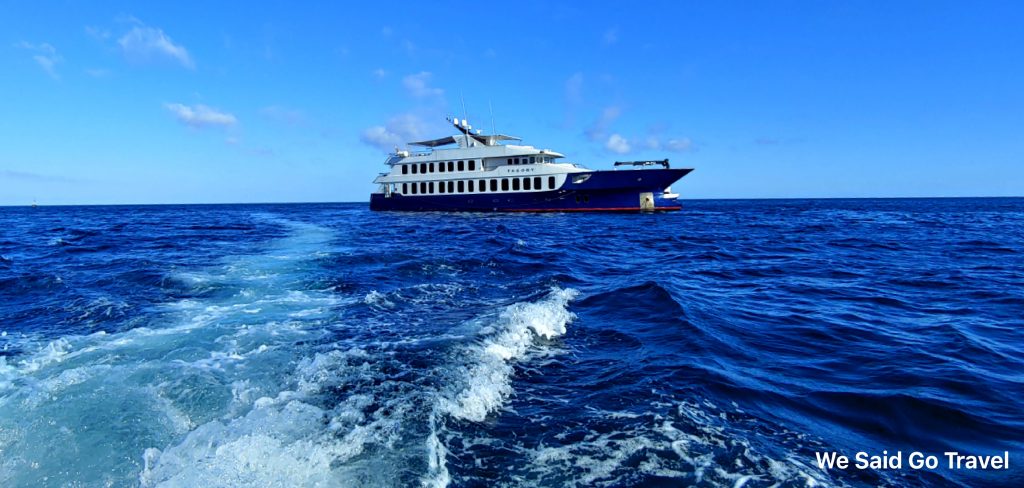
x,y
159,102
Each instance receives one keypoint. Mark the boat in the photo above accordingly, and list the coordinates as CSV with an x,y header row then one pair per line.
x,y
474,172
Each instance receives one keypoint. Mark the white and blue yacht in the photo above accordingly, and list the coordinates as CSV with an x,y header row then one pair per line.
x,y
474,172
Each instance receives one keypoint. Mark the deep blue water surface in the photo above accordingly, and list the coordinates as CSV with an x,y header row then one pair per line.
x,y
325,345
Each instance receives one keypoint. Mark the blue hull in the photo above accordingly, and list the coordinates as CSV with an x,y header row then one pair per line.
x,y
604,191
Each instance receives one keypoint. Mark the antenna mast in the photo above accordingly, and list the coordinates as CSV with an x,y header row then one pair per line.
x,y
489,107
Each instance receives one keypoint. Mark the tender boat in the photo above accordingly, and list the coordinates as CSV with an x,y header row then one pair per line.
x,y
484,173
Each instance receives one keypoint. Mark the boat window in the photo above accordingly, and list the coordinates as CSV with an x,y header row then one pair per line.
x,y
451,187
526,184
405,188
483,186
551,182
515,184
472,165
414,169
451,166
440,187
423,168
509,160
504,184
461,167
494,185
414,188
469,185
532,160
423,187
405,169
462,186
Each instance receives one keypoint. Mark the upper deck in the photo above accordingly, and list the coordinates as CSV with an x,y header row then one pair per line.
x,y
474,155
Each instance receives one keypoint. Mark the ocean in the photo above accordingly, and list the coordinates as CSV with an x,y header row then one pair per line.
x,y
327,345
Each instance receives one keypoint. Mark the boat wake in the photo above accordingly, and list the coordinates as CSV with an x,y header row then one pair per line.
x,y
258,379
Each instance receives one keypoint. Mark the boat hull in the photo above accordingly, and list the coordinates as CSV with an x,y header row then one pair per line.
x,y
602,191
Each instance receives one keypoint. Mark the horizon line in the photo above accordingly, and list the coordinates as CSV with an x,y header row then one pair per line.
x,y
37,205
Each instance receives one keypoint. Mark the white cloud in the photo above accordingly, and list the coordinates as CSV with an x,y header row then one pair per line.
x,y
617,144
395,133
380,73
144,44
679,145
45,56
199,116
418,85
676,144
600,127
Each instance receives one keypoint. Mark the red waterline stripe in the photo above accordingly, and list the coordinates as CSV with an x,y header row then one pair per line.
x,y
608,209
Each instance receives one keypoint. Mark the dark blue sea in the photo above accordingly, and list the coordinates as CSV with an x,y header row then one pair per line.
x,y
325,345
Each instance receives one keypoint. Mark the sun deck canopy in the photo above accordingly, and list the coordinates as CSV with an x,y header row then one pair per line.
x,y
444,141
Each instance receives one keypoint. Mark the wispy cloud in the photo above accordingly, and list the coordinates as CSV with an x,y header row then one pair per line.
x,y
395,133
617,144
200,116
97,72
611,36
599,129
45,56
98,33
149,44
418,85
379,73
574,89
672,144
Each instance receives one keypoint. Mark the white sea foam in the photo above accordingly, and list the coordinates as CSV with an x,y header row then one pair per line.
x,y
681,439
379,299
186,387
235,387
487,379
484,369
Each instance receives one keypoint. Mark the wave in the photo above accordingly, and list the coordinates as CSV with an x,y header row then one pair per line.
x,y
486,380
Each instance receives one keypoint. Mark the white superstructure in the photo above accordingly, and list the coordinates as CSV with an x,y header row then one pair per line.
x,y
478,164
